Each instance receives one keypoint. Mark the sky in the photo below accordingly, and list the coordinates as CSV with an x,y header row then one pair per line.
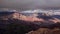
x,y
29,4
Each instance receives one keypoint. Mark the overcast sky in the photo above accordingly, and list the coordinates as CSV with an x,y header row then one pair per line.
x,y
30,4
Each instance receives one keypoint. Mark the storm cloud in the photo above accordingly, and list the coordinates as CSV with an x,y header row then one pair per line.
x,y
29,4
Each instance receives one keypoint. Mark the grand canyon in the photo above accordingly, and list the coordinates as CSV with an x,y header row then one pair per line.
x,y
24,23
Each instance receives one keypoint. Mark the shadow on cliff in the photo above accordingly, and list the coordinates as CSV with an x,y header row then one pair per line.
x,y
21,27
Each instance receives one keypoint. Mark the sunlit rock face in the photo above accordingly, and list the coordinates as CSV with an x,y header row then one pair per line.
x,y
42,15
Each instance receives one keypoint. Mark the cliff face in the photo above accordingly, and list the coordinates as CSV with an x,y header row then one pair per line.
x,y
16,23
38,18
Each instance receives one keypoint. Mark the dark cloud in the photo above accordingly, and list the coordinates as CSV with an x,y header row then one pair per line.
x,y
30,4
